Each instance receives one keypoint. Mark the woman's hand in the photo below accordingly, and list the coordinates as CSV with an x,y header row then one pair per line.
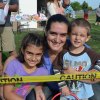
x,y
65,91
40,95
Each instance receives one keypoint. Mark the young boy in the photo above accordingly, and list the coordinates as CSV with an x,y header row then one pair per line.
x,y
79,58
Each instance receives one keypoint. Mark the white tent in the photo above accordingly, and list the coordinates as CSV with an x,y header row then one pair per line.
x,y
28,7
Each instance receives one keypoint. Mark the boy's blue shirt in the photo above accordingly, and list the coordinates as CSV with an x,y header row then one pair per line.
x,y
81,62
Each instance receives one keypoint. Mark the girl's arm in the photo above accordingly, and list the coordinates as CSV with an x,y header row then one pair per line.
x,y
39,93
9,93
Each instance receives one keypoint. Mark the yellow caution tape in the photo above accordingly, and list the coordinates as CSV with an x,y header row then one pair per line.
x,y
49,78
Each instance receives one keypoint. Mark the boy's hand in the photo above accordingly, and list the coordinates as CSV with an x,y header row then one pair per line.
x,y
70,70
40,95
65,91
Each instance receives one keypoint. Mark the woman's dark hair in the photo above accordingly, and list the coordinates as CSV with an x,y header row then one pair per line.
x,y
56,18
53,19
30,38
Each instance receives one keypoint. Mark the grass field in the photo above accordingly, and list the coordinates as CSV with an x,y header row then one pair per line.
x,y
94,42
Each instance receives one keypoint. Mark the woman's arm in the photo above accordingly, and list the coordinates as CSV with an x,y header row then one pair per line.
x,y
9,93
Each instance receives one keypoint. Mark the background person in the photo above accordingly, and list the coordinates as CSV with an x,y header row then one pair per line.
x,y
98,16
7,42
69,12
54,7
85,10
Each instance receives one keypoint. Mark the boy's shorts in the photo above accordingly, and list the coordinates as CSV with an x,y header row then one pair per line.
x,y
7,42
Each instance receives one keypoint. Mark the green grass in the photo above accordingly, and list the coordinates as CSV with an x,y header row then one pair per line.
x,y
94,42
19,36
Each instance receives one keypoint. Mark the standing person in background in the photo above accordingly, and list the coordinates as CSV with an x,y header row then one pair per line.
x,y
85,10
54,7
69,12
7,42
98,16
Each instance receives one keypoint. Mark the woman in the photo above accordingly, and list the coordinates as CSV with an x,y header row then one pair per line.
x,y
54,7
55,35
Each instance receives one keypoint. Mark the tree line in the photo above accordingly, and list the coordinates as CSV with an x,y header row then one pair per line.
x,y
77,6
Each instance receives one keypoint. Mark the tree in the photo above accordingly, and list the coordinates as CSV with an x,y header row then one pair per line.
x,y
84,5
76,6
90,8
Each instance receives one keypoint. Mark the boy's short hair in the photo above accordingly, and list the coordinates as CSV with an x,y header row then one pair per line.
x,y
82,23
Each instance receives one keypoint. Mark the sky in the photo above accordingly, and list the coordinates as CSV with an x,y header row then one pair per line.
x,y
93,3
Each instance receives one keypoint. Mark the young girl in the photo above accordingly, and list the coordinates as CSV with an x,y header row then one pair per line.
x,y
26,64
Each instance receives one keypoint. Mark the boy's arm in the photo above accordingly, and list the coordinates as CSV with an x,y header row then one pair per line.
x,y
62,84
71,70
